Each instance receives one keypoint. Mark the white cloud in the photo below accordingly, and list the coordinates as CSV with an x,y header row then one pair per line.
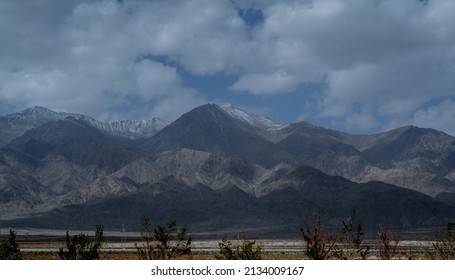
x,y
89,63
387,56
266,84
393,89
154,79
380,60
172,107
62,91
202,36
440,116
362,120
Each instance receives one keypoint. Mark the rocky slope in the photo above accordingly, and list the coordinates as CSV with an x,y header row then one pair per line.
x,y
219,168
410,157
14,125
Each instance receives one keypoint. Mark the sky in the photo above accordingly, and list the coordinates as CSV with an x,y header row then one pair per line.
x,y
361,66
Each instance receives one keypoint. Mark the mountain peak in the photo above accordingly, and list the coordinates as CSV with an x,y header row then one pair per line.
x,y
36,116
35,109
253,120
33,117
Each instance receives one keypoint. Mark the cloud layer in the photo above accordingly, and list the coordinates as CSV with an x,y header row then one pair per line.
x,y
381,63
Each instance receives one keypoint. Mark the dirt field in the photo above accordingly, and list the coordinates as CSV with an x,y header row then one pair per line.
x,y
206,250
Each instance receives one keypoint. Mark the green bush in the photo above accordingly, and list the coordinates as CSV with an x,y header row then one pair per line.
x,y
79,247
245,250
351,243
9,249
445,243
163,242
226,250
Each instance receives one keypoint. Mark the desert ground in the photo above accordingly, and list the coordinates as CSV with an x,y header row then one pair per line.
x,y
43,244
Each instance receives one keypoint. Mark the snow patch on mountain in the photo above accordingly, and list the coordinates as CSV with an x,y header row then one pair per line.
x,y
132,129
33,117
253,120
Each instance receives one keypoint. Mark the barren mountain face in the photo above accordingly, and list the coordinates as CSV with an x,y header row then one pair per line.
x,y
219,168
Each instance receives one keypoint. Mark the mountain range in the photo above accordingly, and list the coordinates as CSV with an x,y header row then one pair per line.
x,y
13,125
219,169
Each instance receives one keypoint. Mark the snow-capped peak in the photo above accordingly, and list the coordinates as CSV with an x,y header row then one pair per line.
x,y
253,120
36,116
134,129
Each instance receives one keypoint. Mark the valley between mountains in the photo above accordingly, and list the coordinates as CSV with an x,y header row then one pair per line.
x,y
219,169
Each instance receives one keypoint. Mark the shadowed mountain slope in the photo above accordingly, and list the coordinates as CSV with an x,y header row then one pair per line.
x,y
221,169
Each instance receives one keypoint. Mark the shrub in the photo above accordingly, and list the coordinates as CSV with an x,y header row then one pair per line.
x,y
9,249
79,247
318,243
352,243
163,242
245,250
445,243
226,250
388,244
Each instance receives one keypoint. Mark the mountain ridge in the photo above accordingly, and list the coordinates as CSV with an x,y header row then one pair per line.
x,y
271,172
33,117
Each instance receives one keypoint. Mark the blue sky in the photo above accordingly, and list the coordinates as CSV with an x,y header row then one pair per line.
x,y
353,65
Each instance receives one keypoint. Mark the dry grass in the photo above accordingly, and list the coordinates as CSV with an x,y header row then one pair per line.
x,y
135,256
281,250
211,256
